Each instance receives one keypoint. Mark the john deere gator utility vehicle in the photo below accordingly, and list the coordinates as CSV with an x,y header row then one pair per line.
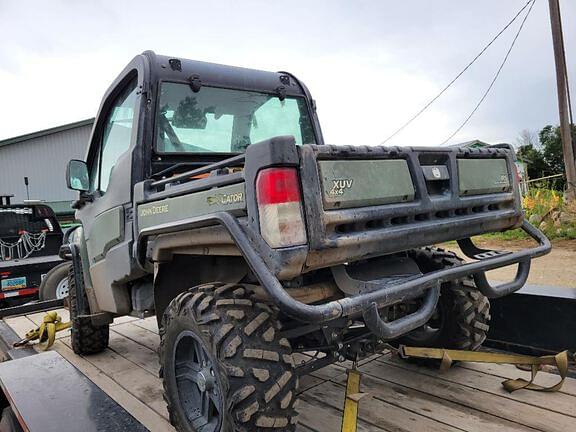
x,y
209,199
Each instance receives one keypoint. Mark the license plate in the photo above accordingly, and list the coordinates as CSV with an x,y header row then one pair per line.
x,y
14,283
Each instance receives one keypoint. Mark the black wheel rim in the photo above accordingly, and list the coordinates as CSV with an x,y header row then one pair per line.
x,y
197,382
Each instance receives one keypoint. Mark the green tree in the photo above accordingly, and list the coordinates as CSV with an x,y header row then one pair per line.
x,y
534,160
551,142
552,148
530,152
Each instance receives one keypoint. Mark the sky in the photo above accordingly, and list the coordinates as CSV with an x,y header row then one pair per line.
x,y
370,65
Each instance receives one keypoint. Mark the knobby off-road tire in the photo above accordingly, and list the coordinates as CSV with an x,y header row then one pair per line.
x,y
86,337
55,283
253,365
462,317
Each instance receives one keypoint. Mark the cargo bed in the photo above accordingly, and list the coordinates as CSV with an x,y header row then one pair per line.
x,y
404,397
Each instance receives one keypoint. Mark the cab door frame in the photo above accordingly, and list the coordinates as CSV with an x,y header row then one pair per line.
x,y
107,218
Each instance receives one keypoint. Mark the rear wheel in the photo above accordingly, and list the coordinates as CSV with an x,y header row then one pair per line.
x,y
86,337
55,283
224,365
462,316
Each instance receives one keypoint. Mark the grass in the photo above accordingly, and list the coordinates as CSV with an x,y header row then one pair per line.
x,y
546,205
516,234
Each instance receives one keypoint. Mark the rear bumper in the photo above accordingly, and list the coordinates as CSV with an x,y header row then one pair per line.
x,y
25,292
374,294
433,215
29,264
32,269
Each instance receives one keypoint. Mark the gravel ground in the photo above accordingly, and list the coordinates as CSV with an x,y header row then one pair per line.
x,y
558,268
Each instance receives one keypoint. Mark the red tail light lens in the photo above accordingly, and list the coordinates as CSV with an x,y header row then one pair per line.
x,y
278,185
280,207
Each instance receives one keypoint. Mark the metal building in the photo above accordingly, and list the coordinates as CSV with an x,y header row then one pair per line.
x,y
42,158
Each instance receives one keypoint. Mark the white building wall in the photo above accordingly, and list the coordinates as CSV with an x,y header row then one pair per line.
x,y
43,160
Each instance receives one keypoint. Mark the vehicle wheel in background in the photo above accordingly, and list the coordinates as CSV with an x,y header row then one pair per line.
x,y
8,421
55,283
462,316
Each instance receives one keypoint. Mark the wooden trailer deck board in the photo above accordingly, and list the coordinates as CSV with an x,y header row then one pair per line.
x,y
403,397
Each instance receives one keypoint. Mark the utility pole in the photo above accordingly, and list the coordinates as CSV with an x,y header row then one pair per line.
x,y
27,190
565,132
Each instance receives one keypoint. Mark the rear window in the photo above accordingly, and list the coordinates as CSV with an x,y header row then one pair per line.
x,y
226,121
15,220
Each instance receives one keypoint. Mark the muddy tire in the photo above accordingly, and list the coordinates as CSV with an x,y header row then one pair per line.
x,y
218,330
55,283
86,337
462,317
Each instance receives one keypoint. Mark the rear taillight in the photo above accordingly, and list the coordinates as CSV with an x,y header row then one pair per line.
x,y
280,207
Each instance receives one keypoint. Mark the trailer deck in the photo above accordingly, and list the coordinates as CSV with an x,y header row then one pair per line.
x,y
404,397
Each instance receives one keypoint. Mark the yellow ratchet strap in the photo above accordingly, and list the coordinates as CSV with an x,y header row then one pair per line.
x,y
447,356
46,333
352,400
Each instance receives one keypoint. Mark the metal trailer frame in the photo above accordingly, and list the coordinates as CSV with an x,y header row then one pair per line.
x,y
527,322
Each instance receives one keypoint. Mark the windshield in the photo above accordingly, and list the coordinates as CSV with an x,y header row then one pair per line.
x,y
224,120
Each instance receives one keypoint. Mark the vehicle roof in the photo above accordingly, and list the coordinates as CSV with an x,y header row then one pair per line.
x,y
218,75
46,209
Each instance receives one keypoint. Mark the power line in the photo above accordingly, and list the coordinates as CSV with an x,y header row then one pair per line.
x,y
415,116
495,76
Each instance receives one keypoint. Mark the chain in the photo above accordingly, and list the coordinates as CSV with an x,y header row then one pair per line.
x,y
26,245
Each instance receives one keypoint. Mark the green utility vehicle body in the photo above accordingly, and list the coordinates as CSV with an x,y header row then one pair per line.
x,y
200,173
227,198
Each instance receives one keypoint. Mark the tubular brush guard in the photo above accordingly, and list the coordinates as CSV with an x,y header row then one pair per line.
x,y
380,293
486,260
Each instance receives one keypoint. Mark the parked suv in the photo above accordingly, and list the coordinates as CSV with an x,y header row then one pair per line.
x,y
30,238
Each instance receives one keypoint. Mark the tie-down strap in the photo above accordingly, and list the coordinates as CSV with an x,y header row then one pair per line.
x,y
447,356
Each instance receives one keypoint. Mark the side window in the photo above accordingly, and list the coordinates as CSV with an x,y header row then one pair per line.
x,y
117,133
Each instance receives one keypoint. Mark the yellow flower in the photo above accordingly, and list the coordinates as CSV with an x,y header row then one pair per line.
x,y
529,203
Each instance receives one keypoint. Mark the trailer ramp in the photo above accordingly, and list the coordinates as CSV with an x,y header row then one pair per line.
x,y
48,394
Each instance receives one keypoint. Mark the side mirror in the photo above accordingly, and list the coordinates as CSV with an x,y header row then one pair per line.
x,y
77,175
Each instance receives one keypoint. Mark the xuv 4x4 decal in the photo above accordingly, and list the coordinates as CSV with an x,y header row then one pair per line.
x,y
340,186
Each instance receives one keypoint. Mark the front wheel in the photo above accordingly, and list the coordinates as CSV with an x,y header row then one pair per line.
x,y
224,365
85,336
